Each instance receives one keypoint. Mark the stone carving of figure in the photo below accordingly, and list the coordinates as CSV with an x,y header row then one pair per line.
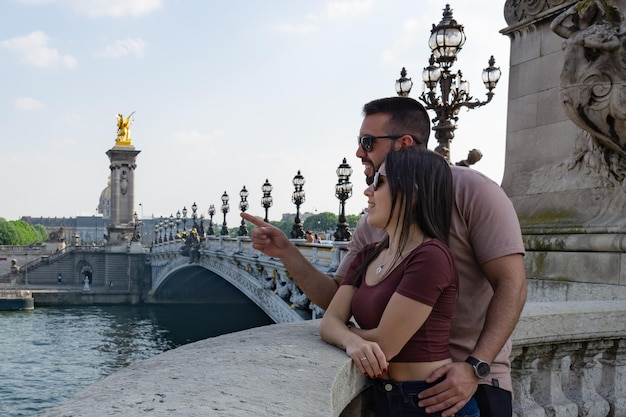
x,y
124,183
123,129
594,71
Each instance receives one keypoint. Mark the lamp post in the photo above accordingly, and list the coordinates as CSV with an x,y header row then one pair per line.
x,y
172,223
194,216
343,191
184,219
266,200
156,233
211,214
177,221
243,206
225,208
297,232
161,230
446,40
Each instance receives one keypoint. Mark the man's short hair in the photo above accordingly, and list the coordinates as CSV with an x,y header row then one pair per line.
x,y
408,116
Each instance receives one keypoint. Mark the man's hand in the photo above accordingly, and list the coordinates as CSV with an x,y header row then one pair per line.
x,y
319,287
267,238
453,392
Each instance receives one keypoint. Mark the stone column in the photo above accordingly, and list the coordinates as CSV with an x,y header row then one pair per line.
x,y
122,167
565,163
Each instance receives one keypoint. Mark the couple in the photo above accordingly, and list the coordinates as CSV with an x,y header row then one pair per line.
x,y
485,241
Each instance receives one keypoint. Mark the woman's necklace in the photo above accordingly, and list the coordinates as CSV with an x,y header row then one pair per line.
x,y
382,264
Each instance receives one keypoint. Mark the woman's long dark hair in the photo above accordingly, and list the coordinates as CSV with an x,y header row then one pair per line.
x,y
420,180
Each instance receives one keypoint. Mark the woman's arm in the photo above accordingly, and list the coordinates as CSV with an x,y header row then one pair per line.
x,y
366,355
403,317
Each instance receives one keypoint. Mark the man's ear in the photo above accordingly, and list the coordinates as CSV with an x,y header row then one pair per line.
x,y
406,141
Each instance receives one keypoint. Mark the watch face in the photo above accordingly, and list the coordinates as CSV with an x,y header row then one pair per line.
x,y
482,369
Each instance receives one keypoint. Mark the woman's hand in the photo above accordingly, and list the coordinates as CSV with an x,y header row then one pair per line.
x,y
368,358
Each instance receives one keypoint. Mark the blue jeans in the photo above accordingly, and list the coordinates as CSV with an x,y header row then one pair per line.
x,y
399,399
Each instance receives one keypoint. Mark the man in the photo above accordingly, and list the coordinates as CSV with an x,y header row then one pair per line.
x,y
486,242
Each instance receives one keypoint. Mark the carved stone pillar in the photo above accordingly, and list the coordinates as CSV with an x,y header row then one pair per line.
x,y
122,168
582,384
523,370
548,389
613,380
565,163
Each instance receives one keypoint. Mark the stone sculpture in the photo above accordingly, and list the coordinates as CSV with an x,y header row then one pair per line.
x,y
593,80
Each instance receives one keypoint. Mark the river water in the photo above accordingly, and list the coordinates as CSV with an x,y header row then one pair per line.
x,y
48,354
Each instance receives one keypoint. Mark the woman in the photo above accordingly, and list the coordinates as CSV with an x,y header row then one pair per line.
x,y
401,291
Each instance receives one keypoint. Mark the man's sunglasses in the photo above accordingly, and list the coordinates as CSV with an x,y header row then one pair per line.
x,y
367,141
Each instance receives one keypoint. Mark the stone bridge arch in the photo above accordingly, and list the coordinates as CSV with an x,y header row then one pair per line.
x,y
266,285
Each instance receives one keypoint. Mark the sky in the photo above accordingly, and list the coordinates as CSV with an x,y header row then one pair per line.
x,y
226,94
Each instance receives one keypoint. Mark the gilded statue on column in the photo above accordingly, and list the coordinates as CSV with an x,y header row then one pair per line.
x,y
123,129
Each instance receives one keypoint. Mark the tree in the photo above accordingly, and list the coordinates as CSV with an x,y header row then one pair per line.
x,y
41,232
320,222
26,233
8,234
353,219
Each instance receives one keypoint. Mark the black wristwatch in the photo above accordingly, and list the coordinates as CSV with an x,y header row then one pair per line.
x,y
481,368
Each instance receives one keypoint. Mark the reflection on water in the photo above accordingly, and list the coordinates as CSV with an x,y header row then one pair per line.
x,y
48,354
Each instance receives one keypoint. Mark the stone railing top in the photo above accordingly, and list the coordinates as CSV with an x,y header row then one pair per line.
x,y
287,370
277,370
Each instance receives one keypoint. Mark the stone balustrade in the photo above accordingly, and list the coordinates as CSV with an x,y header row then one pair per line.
x,y
569,359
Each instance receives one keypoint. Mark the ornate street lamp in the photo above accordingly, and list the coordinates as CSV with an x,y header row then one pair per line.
x,y
225,208
172,223
156,233
297,232
211,214
135,222
161,230
243,206
343,191
266,200
446,40
177,220
184,219
194,216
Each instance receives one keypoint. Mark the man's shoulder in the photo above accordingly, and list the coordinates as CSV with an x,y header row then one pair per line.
x,y
464,174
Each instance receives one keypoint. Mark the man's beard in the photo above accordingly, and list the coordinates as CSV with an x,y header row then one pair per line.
x,y
369,180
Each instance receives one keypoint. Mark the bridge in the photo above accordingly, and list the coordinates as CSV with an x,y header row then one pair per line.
x,y
262,279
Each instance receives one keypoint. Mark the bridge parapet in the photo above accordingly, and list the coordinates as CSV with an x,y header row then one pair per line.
x,y
569,359
261,278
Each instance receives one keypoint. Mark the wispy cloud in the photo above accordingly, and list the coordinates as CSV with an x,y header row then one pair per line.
x,y
333,11
27,103
412,32
339,10
202,141
104,8
34,50
122,48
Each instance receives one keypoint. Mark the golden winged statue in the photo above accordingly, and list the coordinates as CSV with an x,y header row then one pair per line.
x,y
123,129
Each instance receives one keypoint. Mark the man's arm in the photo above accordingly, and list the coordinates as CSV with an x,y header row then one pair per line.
x,y
319,287
508,279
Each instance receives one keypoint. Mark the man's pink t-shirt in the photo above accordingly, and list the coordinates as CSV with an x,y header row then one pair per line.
x,y
484,227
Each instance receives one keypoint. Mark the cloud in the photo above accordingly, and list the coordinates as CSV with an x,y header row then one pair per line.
x,y
412,32
296,29
122,48
339,10
27,103
195,138
334,11
34,50
104,8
